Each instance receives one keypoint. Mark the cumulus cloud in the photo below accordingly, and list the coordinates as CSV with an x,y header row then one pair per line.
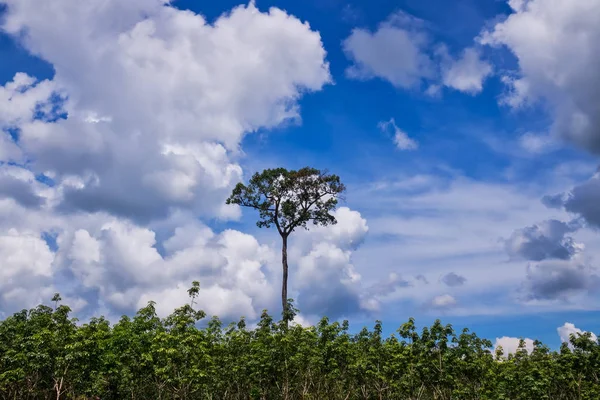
x,y
121,261
21,97
452,279
543,241
560,279
171,98
510,345
569,329
582,200
396,52
127,266
465,74
546,37
327,282
300,320
443,301
18,184
324,277
401,52
19,100
26,273
562,270
136,154
348,234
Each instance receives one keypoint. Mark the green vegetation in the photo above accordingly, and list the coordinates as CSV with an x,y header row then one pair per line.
x,y
44,354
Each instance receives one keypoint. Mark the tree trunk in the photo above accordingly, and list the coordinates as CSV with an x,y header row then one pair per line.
x,y
284,263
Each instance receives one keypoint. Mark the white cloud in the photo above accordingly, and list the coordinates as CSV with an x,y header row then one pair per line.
x,y
546,37
443,301
20,98
401,139
537,143
510,345
214,300
302,321
323,275
569,329
401,52
396,52
347,234
171,98
327,281
121,261
157,101
467,73
26,273
430,225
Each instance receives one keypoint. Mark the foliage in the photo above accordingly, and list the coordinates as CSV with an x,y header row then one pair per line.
x,y
290,199
45,354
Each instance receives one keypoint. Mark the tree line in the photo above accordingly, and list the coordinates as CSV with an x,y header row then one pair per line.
x,y
47,354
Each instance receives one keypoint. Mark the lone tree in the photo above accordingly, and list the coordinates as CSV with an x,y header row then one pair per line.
x,y
289,200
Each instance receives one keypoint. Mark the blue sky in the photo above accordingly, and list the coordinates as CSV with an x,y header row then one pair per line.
x,y
126,125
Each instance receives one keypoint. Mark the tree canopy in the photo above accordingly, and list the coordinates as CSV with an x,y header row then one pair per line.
x,y
290,199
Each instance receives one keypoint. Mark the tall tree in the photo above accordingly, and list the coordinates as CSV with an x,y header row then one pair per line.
x,y
290,200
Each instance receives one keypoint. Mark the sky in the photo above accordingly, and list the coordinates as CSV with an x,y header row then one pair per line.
x,y
466,132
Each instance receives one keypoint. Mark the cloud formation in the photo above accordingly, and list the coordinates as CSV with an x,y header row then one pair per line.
x,y
401,138
121,262
545,37
510,345
107,180
26,273
582,200
560,279
452,279
465,74
121,166
396,52
443,301
543,241
401,51
324,277
565,331
198,82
